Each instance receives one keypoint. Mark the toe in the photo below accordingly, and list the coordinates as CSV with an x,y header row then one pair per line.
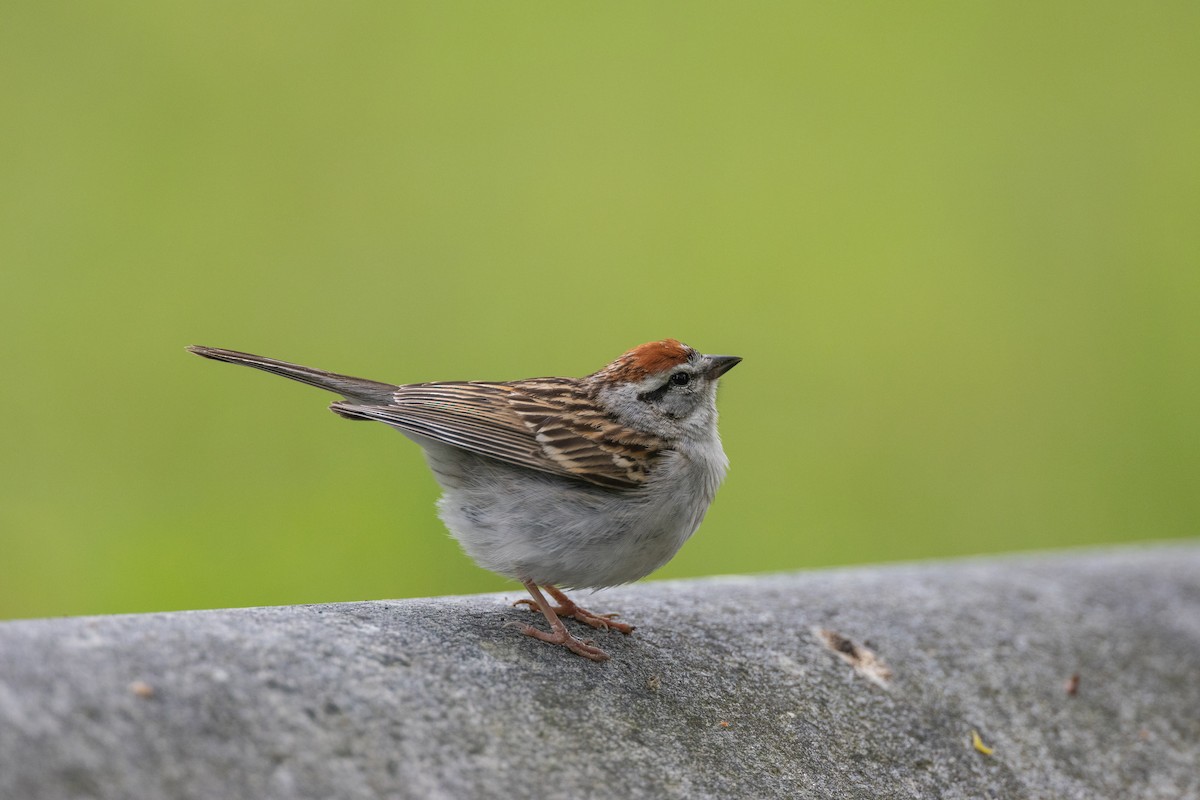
x,y
586,649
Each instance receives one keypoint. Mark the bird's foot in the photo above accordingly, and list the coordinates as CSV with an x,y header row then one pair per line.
x,y
558,633
563,637
566,608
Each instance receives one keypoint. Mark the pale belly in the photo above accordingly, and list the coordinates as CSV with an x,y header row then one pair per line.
x,y
528,525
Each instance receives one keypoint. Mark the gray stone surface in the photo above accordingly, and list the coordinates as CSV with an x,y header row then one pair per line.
x,y
723,691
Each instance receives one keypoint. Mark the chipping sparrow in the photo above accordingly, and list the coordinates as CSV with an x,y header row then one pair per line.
x,y
577,482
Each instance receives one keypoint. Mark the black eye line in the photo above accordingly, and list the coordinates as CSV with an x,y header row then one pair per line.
x,y
658,394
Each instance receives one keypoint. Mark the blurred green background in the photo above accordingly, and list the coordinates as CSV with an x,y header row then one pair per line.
x,y
957,245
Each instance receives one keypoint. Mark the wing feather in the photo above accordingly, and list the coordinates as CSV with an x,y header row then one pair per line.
x,y
548,424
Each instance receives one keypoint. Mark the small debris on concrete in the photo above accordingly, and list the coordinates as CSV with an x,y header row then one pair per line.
x,y
864,660
142,689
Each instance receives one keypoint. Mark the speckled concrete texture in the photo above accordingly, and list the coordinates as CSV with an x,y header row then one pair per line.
x,y
724,690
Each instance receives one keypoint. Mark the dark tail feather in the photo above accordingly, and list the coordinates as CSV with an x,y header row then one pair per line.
x,y
357,389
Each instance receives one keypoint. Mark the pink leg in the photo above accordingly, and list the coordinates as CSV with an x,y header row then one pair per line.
x,y
558,632
566,608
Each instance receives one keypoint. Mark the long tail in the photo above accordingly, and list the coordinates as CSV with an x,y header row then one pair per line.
x,y
359,390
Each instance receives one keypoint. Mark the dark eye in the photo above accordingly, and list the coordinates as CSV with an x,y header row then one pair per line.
x,y
680,378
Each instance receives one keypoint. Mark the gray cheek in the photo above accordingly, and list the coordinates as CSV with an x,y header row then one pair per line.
x,y
680,405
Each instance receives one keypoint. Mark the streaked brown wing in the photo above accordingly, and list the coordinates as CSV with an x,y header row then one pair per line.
x,y
542,424
583,439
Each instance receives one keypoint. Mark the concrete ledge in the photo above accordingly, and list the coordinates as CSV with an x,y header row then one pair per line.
x,y
724,690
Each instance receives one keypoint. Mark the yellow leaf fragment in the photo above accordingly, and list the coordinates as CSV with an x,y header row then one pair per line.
x,y
978,744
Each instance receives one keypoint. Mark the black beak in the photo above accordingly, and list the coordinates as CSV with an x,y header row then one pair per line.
x,y
719,365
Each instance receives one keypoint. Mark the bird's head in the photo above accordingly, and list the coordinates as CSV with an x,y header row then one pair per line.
x,y
665,388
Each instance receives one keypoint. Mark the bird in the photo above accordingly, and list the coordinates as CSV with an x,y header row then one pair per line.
x,y
557,482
